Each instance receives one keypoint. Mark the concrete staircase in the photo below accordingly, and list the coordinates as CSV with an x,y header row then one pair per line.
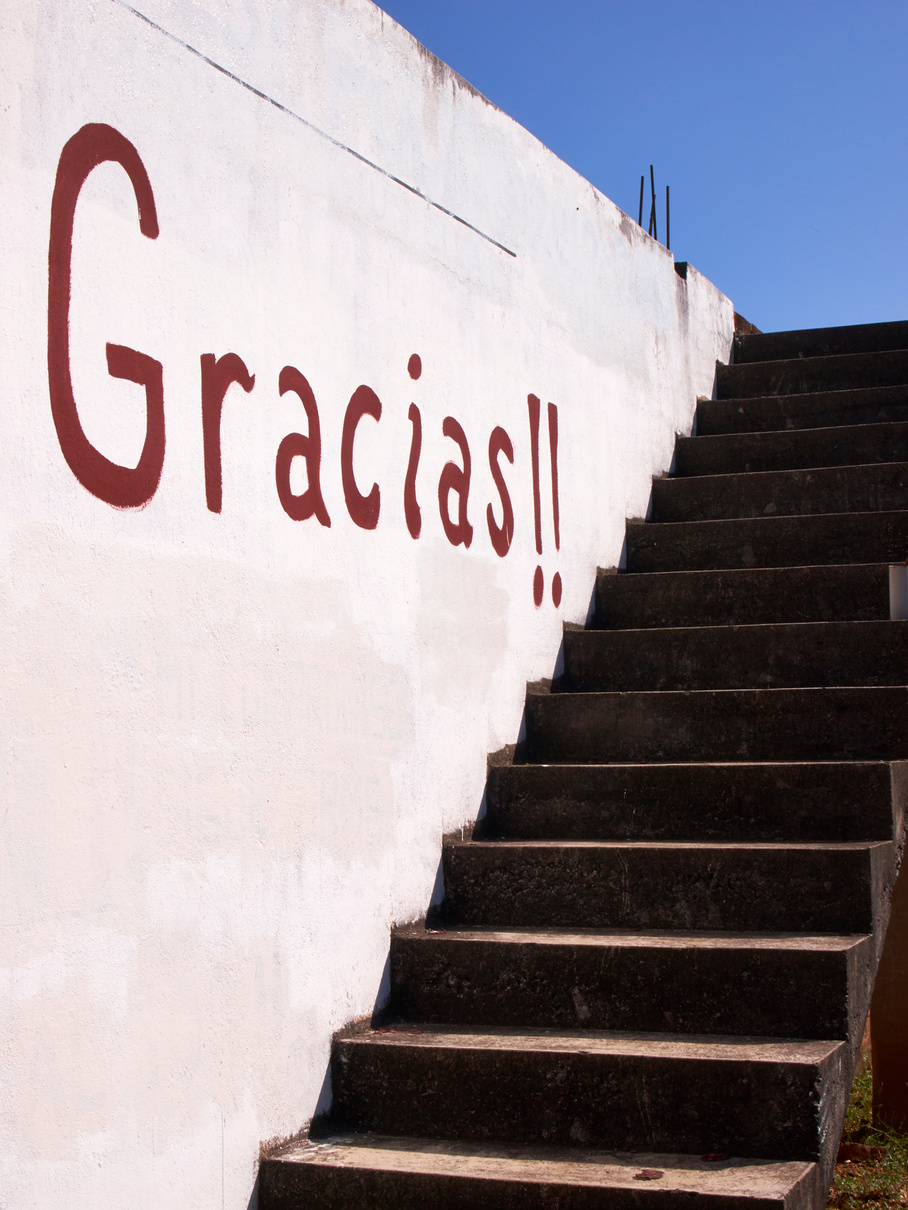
x,y
649,976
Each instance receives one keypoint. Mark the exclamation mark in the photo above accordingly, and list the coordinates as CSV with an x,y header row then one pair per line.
x,y
538,577
553,451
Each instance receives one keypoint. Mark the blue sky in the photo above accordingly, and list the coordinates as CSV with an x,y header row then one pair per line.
x,y
780,127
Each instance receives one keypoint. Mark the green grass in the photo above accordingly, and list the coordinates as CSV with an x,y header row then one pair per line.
x,y
883,1184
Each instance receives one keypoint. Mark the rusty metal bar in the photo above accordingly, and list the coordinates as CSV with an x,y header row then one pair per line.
x,y
654,231
668,220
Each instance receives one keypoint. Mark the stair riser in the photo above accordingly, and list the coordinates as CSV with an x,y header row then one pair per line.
x,y
851,445
718,598
731,657
806,802
850,489
823,409
802,375
803,890
821,342
290,1186
767,542
445,980
294,1186
740,725
618,1102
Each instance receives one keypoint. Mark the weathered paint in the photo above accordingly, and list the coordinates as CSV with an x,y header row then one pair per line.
x,y
245,692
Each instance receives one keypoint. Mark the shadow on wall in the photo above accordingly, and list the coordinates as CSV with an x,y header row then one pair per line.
x,y
253,1203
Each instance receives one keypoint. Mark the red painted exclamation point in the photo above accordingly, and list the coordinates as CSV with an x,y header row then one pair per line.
x,y
538,578
553,451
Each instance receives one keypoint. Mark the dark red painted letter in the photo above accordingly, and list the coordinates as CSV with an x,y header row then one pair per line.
x,y
553,454
121,486
311,503
533,406
500,443
411,504
363,509
456,479
218,375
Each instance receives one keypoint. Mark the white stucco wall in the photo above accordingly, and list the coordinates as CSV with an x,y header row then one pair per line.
x,y
231,742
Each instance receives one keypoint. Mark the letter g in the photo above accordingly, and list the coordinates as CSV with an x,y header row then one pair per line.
x,y
121,486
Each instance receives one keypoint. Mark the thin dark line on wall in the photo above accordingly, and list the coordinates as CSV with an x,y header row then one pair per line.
x,y
315,130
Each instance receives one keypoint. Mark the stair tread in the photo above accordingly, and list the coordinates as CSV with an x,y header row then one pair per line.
x,y
840,395
796,569
788,518
734,800
858,488
677,725
788,472
778,541
727,693
615,767
783,412
887,367
869,625
864,653
771,439
851,358
820,342
793,627
646,938
606,1043
733,1176
834,846
645,600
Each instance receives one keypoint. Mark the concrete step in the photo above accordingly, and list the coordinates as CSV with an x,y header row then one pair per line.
x,y
813,409
767,542
799,375
773,656
877,487
836,801
858,592
797,888
821,342
752,1097
382,1172
717,725
686,983
842,445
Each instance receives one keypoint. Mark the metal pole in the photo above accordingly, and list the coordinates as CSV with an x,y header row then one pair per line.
x,y
654,232
668,220
640,219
